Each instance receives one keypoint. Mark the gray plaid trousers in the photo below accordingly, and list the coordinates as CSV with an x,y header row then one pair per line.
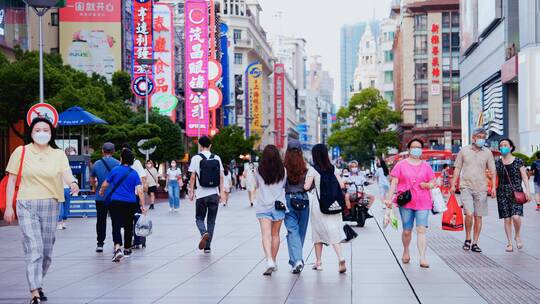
x,y
37,220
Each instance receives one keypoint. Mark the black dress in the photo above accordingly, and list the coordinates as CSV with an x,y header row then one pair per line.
x,y
505,191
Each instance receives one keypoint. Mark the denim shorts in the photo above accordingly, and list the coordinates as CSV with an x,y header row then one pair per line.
x,y
408,217
274,215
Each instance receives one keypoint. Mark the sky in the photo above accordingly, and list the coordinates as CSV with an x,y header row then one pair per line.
x,y
319,22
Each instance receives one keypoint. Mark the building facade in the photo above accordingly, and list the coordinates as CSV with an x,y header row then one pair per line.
x,y
426,72
385,82
366,73
319,106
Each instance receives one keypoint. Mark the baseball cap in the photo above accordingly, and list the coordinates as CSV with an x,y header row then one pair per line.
x,y
294,144
108,147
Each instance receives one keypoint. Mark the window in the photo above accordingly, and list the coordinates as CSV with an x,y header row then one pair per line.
x,y
225,7
372,83
388,56
388,77
420,22
456,114
54,19
421,94
391,36
420,44
446,93
455,91
446,42
420,70
455,42
389,96
421,116
455,19
367,44
445,20
237,35
55,51
238,58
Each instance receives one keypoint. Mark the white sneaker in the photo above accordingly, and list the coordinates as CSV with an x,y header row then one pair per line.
x,y
59,227
298,267
270,267
171,210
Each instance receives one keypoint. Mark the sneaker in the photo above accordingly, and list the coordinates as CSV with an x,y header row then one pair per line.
x,y
176,210
298,267
151,207
207,250
204,239
118,255
171,210
35,300
63,227
136,246
99,248
270,266
42,296
59,227
127,253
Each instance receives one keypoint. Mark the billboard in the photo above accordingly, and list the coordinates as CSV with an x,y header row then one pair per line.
x,y
254,98
143,44
90,36
164,96
279,104
196,67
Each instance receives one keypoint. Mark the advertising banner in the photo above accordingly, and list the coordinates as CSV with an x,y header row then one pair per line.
x,y
254,98
226,79
142,39
90,36
164,96
279,104
196,67
435,66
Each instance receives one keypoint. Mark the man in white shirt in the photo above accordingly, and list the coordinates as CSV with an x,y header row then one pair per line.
x,y
208,197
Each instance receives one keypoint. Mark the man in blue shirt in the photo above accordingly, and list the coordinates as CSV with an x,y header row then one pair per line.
x,y
99,174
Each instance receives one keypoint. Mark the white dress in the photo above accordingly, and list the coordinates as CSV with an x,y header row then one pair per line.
x,y
325,228
251,183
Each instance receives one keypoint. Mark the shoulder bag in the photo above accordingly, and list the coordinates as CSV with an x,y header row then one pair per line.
x,y
519,196
405,197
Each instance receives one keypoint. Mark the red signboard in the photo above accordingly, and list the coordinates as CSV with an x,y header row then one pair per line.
x,y
91,11
142,34
435,52
279,104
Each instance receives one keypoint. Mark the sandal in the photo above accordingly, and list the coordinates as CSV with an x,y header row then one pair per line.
x,y
467,245
509,248
475,248
519,244
317,266
342,266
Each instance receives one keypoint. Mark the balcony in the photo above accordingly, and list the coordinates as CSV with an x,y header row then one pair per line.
x,y
243,43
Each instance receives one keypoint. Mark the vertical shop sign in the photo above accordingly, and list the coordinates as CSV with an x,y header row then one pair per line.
x,y
279,104
254,98
142,36
435,59
196,67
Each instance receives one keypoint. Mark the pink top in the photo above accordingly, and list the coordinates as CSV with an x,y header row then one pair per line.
x,y
409,177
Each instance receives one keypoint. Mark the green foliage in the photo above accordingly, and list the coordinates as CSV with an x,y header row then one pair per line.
x,y
361,129
527,160
230,142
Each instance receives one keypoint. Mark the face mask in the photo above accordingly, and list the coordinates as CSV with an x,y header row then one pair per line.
x,y
354,170
173,165
41,138
416,152
480,142
505,150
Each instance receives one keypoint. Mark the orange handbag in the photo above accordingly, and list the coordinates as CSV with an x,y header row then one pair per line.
x,y
4,183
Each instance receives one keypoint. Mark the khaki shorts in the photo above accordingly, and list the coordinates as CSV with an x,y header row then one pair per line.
x,y
474,202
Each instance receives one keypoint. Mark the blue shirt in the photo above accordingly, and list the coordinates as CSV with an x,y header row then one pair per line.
x,y
101,172
536,170
125,192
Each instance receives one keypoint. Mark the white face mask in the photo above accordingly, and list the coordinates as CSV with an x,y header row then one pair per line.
x,y
41,137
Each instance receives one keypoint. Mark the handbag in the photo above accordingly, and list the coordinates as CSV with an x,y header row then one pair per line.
x,y
404,198
4,183
280,206
439,205
299,203
350,234
519,196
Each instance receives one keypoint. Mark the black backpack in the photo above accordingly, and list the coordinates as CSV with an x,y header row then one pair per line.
x,y
210,171
331,198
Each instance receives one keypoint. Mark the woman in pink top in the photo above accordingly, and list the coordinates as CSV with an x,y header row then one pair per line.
x,y
417,176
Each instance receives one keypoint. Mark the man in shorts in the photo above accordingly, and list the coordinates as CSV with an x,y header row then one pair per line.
x,y
471,164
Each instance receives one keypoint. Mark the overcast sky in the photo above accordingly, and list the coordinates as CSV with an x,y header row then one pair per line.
x,y
319,23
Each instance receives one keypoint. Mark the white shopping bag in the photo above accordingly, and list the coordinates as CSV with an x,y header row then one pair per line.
x,y
439,204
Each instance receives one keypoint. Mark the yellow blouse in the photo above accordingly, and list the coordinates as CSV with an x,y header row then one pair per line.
x,y
41,174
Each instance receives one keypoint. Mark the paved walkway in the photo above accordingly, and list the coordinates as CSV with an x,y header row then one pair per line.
x,y
172,270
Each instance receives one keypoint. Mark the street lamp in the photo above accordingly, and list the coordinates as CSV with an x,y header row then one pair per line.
x,y
41,7
146,63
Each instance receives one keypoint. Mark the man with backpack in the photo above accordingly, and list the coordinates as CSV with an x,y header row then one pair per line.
x,y
99,174
535,168
207,171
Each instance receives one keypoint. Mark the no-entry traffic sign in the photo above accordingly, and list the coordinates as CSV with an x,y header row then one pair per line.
x,y
42,110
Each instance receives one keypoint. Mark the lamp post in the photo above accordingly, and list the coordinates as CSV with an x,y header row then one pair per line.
x,y
146,63
41,7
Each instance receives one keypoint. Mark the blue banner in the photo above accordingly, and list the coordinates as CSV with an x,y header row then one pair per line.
x,y
226,81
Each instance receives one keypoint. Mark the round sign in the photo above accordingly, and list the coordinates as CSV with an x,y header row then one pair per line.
x,y
140,87
42,110
214,70
140,143
215,97
164,102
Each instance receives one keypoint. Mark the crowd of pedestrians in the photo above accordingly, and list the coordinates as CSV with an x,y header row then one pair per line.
x,y
281,189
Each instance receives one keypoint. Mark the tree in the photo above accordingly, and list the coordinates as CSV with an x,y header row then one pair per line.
x,y
230,142
362,129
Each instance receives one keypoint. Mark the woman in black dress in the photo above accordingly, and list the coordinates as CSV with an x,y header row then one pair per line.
x,y
511,172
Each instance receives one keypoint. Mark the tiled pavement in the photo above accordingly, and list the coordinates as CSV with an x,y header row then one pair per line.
x,y
172,270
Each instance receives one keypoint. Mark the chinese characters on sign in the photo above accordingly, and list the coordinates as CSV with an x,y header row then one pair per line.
x,y
142,35
279,104
435,60
196,67
164,97
254,99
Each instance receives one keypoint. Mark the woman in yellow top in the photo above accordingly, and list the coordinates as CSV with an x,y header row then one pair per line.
x,y
45,169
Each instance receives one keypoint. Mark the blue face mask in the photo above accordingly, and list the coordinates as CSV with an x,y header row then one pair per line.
x,y
480,142
416,152
504,150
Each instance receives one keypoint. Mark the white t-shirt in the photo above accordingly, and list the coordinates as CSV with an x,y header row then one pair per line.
x,y
173,174
227,181
151,177
353,180
195,167
138,167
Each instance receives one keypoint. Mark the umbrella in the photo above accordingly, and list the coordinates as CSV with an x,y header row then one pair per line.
x,y
77,116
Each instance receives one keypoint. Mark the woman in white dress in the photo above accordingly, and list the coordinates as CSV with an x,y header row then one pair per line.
x,y
325,228
251,183
227,186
